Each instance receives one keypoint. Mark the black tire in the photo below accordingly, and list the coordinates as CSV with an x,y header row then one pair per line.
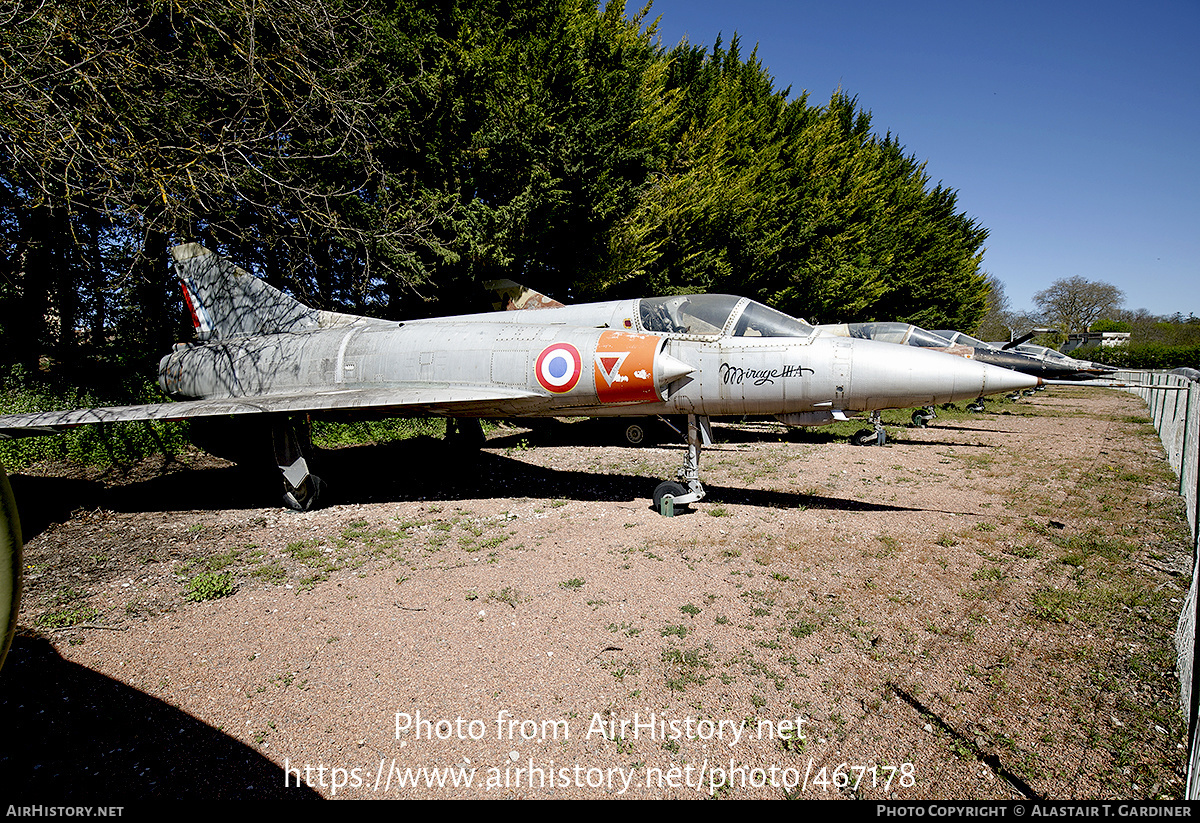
x,y
865,437
304,499
635,434
920,419
976,408
669,487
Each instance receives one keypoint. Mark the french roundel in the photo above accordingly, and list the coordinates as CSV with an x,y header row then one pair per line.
x,y
558,367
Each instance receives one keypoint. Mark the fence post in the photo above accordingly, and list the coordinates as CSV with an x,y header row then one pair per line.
x,y
1183,451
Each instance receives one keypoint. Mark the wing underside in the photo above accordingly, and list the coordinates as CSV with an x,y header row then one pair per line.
x,y
466,401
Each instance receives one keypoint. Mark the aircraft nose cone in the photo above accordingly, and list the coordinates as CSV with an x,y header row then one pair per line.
x,y
999,380
895,376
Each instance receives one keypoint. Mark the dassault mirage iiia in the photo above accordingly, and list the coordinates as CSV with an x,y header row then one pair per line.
x,y
262,355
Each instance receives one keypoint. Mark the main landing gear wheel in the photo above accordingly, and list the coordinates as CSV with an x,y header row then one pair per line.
x,y
920,419
976,407
634,434
865,437
876,436
304,499
291,440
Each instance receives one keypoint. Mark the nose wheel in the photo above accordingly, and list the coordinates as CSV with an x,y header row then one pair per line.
x,y
875,436
668,491
921,417
687,489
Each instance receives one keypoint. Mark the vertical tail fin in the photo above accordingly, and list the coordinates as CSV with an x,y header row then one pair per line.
x,y
226,301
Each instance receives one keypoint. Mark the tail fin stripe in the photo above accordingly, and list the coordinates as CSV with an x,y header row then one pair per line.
x,y
200,316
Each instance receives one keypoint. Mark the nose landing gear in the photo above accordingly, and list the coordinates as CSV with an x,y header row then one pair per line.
x,y
876,436
688,488
921,417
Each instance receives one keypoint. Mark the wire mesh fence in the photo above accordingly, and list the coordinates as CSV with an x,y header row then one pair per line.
x,y
1174,402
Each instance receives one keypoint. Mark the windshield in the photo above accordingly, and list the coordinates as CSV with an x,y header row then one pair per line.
x,y
927,339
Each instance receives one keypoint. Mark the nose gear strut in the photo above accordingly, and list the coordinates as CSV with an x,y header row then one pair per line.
x,y
688,488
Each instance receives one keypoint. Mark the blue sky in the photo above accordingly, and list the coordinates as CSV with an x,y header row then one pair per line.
x,y
1070,130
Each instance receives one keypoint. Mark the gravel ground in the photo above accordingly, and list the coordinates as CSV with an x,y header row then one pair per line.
x,y
980,609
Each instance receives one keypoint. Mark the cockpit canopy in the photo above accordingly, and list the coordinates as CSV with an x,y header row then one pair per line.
x,y
711,315
900,333
1045,353
961,339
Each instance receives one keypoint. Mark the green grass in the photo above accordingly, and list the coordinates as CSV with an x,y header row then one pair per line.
x,y
270,572
67,617
508,595
330,435
802,630
114,444
1078,549
209,586
685,667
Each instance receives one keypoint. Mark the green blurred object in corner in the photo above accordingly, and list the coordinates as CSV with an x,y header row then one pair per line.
x,y
10,565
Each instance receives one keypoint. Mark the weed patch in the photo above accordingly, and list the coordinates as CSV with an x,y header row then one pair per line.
x,y
685,667
209,586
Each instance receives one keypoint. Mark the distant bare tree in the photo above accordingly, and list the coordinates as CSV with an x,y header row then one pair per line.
x,y
997,324
1072,304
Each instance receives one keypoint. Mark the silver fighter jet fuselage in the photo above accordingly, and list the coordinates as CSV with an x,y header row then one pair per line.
x,y
260,352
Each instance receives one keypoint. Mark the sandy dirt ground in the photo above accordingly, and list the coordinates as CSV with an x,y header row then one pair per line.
x,y
980,609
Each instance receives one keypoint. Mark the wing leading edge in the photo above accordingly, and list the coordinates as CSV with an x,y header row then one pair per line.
x,y
464,400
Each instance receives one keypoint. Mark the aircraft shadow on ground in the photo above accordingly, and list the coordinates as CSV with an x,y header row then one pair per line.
x,y
496,475
417,469
953,444
605,432
73,735
951,427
